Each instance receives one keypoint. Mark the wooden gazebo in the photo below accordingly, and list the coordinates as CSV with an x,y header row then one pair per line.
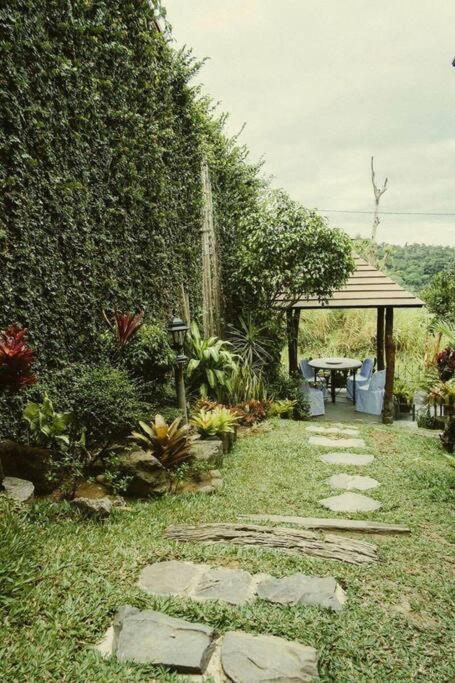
x,y
367,287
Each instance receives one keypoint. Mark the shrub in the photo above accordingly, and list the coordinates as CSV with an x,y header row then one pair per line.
x,y
170,444
246,384
289,388
250,341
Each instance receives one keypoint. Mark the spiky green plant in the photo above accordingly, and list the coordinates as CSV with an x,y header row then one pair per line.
x,y
211,366
169,444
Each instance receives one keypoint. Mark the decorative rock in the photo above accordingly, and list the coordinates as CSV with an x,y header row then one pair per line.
x,y
202,482
347,458
19,490
208,450
351,481
234,586
170,578
348,431
350,502
150,637
337,443
99,508
300,589
29,463
246,658
147,477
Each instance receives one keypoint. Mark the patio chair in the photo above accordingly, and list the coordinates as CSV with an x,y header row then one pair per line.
x,y
308,374
370,398
362,377
315,398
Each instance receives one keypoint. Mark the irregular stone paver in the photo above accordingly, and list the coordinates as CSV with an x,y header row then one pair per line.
x,y
235,586
170,578
336,443
352,481
250,659
350,502
151,637
19,490
347,458
348,431
220,583
100,508
300,589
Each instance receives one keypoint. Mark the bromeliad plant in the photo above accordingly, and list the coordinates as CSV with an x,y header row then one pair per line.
x,y
211,366
214,422
16,359
169,444
281,408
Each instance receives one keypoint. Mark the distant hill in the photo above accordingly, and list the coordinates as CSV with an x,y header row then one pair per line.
x,y
414,265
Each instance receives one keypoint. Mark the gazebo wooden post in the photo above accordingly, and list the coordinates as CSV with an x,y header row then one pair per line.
x,y
380,339
293,320
387,417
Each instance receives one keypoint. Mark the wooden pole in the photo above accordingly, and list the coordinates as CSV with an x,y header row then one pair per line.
x,y
293,319
387,417
380,339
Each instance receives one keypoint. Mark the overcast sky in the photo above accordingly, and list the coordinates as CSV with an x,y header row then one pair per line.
x,y
324,84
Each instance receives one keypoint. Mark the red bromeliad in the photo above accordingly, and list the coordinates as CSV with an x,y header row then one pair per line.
x,y
16,359
126,325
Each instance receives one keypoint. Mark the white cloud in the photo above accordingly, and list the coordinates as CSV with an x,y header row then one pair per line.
x,y
324,84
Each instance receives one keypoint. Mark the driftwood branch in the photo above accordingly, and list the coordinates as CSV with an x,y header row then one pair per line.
x,y
356,525
378,192
293,541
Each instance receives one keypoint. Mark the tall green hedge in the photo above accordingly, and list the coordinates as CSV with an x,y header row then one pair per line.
x,y
100,156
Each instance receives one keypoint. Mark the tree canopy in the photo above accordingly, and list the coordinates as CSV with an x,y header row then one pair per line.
x,y
440,295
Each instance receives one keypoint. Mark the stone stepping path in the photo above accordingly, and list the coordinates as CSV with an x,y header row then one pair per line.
x,y
340,458
350,502
352,481
336,443
236,587
150,637
347,431
360,525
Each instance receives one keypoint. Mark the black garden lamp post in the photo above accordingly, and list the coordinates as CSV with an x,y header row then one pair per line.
x,y
177,330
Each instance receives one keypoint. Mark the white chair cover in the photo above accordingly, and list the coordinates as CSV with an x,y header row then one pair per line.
x,y
315,398
370,398
362,377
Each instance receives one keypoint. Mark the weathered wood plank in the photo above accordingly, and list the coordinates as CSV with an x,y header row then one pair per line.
x,y
358,525
280,538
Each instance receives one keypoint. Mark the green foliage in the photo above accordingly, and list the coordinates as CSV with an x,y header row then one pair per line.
x,y
282,408
415,265
45,424
170,444
246,384
289,388
211,364
249,340
403,390
284,250
214,422
101,144
440,296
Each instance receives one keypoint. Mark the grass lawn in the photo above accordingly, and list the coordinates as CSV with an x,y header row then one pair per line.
x,y
65,577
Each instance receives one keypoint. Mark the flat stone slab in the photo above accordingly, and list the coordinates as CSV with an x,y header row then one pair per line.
x,y
350,502
352,481
151,637
347,431
336,443
300,589
235,586
170,578
246,658
347,458
19,490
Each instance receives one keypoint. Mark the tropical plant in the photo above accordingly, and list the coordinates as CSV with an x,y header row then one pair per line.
x,y
281,408
169,444
443,393
250,342
211,366
403,391
250,412
214,422
45,424
246,384
446,363
16,359
125,326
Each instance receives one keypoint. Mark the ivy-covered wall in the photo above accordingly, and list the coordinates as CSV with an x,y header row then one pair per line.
x,y
100,156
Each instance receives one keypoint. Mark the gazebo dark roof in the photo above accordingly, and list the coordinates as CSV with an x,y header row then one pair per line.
x,y
367,287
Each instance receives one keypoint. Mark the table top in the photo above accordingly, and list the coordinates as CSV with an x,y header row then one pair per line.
x,y
335,363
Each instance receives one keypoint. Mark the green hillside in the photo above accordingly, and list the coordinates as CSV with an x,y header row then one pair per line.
x,y
414,265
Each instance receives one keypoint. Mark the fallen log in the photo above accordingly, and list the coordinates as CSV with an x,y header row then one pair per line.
x,y
287,540
362,526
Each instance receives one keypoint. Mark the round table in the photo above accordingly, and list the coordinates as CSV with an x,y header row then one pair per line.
x,y
334,364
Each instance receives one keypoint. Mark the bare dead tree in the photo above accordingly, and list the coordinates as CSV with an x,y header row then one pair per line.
x,y
378,192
